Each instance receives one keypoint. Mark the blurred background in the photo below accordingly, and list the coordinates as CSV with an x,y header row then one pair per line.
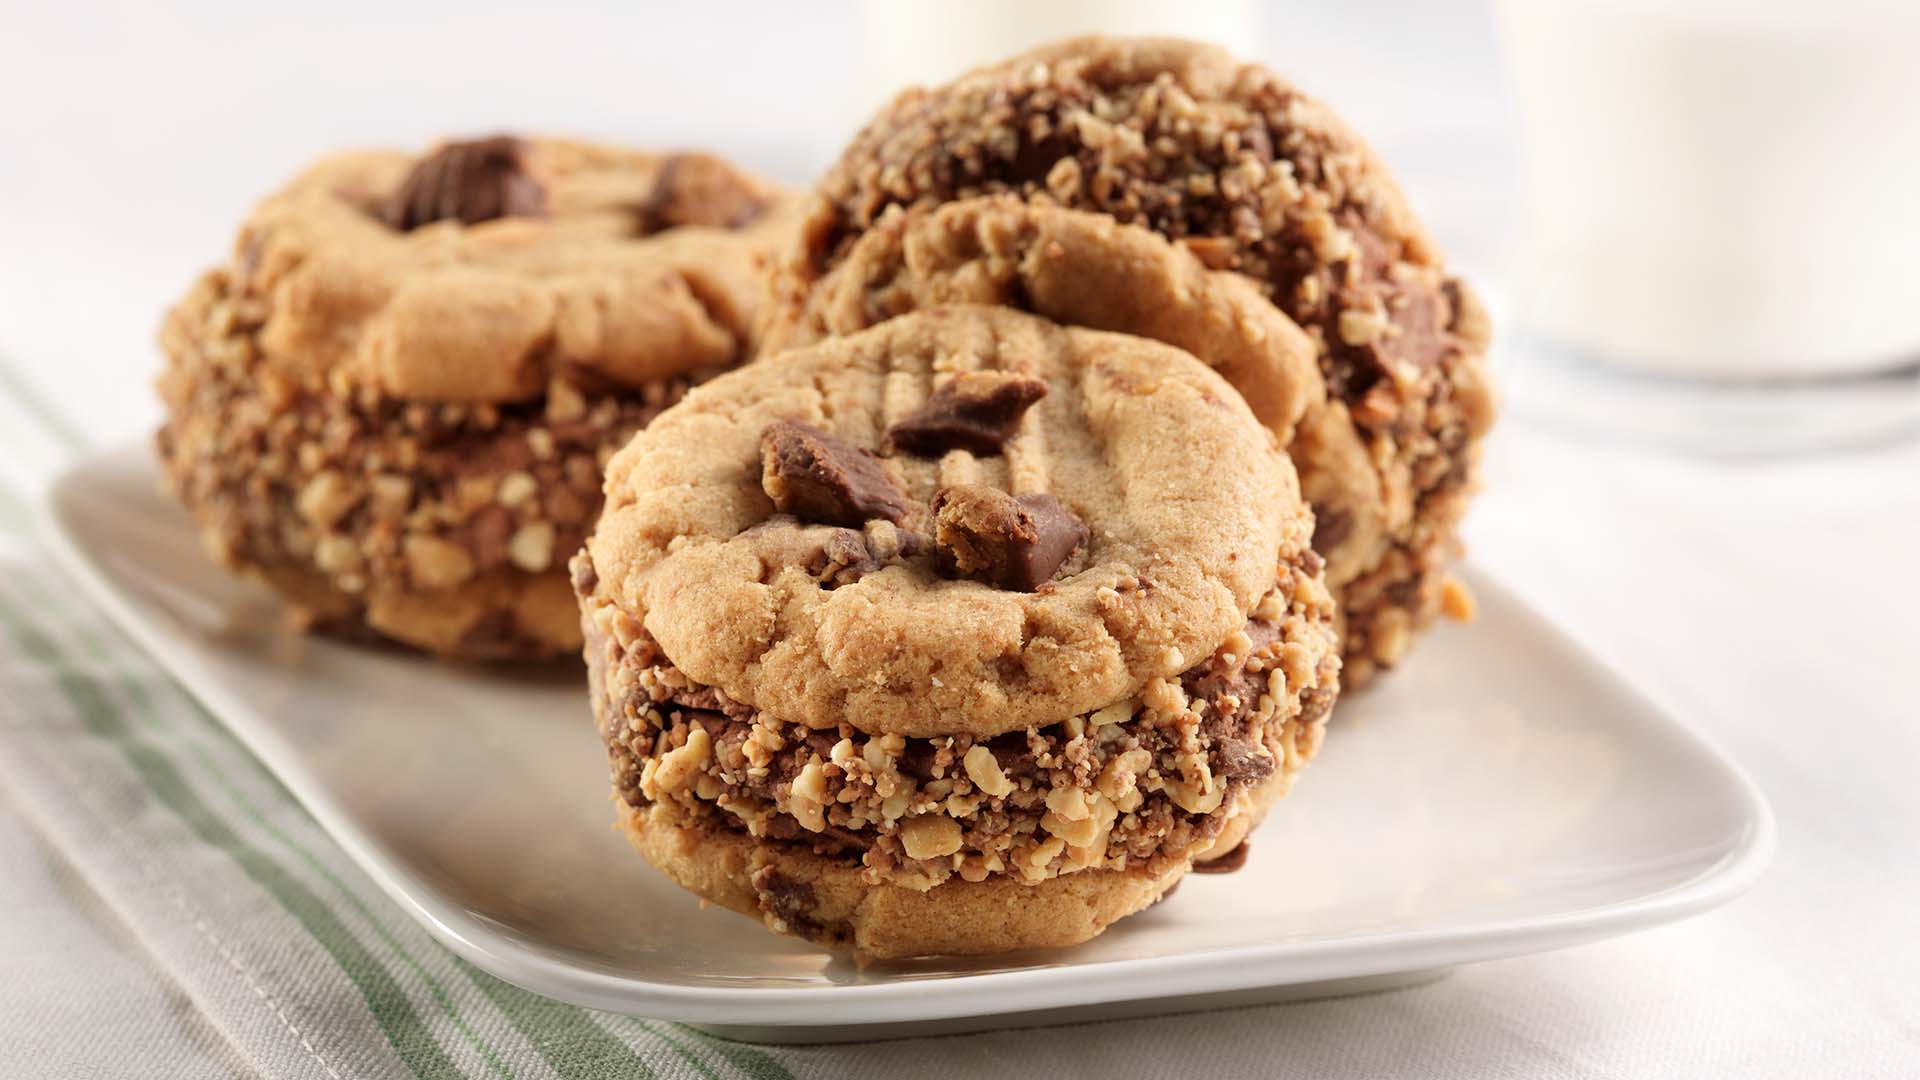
x,y
1717,188
134,136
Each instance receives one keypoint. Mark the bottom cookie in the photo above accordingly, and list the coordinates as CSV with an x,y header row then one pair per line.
x,y
503,615
830,902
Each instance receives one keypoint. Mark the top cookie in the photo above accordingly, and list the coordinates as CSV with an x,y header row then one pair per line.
x,y
481,270
1057,517
1070,266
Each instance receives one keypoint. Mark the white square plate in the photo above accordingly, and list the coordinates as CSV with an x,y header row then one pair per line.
x,y
1502,793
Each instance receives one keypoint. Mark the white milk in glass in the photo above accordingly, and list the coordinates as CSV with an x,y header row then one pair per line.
x,y
921,43
1721,189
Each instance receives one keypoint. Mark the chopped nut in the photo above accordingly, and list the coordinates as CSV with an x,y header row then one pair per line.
x,y
1164,697
336,554
627,630
755,749
985,772
1087,832
1456,601
1271,606
531,547
391,494
1069,803
1359,327
930,836
326,498
807,797
1117,780
1036,860
437,564
474,491
1236,649
842,753
1215,252
564,402
516,488
678,766
1378,407
1201,798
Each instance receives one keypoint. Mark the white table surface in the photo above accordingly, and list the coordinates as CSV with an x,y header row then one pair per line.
x,y
1775,604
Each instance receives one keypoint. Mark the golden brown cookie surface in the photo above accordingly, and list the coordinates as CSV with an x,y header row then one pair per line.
x,y
1177,485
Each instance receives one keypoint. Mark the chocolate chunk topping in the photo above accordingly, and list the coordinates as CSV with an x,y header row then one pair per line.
x,y
710,699
698,189
816,477
1331,526
787,899
1227,863
1011,543
832,556
975,411
1244,760
1226,687
468,182
1315,705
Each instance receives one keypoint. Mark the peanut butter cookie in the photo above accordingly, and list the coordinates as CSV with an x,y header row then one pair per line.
x,y
394,402
963,634
1237,218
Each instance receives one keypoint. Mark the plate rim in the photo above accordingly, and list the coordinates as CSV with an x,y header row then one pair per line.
x,y
1228,968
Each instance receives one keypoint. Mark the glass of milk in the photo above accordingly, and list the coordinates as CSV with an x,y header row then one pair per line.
x,y
922,44
1718,189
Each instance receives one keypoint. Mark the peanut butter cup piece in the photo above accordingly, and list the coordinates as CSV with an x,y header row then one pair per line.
x,y
1010,542
832,555
975,411
699,189
469,182
816,477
